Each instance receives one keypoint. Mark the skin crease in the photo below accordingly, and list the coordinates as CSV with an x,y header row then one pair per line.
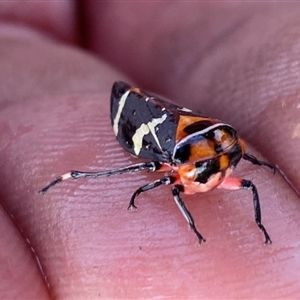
x,y
235,62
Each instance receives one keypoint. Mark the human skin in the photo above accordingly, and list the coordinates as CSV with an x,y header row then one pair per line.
x,y
235,62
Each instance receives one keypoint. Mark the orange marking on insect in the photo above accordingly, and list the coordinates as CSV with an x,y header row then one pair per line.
x,y
192,187
242,145
224,162
201,150
184,121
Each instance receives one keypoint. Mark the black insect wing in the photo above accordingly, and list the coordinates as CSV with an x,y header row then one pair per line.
x,y
143,125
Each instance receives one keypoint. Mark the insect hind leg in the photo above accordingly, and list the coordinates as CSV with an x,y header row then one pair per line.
x,y
235,184
247,184
148,166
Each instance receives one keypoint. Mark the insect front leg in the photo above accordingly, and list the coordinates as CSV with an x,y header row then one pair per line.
x,y
255,161
235,184
148,166
176,190
167,180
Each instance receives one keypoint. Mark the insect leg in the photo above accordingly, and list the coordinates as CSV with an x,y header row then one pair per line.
x,y
255,161
176,189
235,184
247,184
163,181
149,166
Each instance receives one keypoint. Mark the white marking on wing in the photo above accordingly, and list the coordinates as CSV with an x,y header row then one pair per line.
x,y
184,109
144,130
118,114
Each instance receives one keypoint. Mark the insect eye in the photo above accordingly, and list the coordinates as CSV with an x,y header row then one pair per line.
x,y
209,135
218,148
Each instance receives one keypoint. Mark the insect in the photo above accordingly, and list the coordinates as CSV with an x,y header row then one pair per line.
x,y
195,152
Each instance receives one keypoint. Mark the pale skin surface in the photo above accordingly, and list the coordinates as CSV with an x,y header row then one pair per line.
x,y
235,62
